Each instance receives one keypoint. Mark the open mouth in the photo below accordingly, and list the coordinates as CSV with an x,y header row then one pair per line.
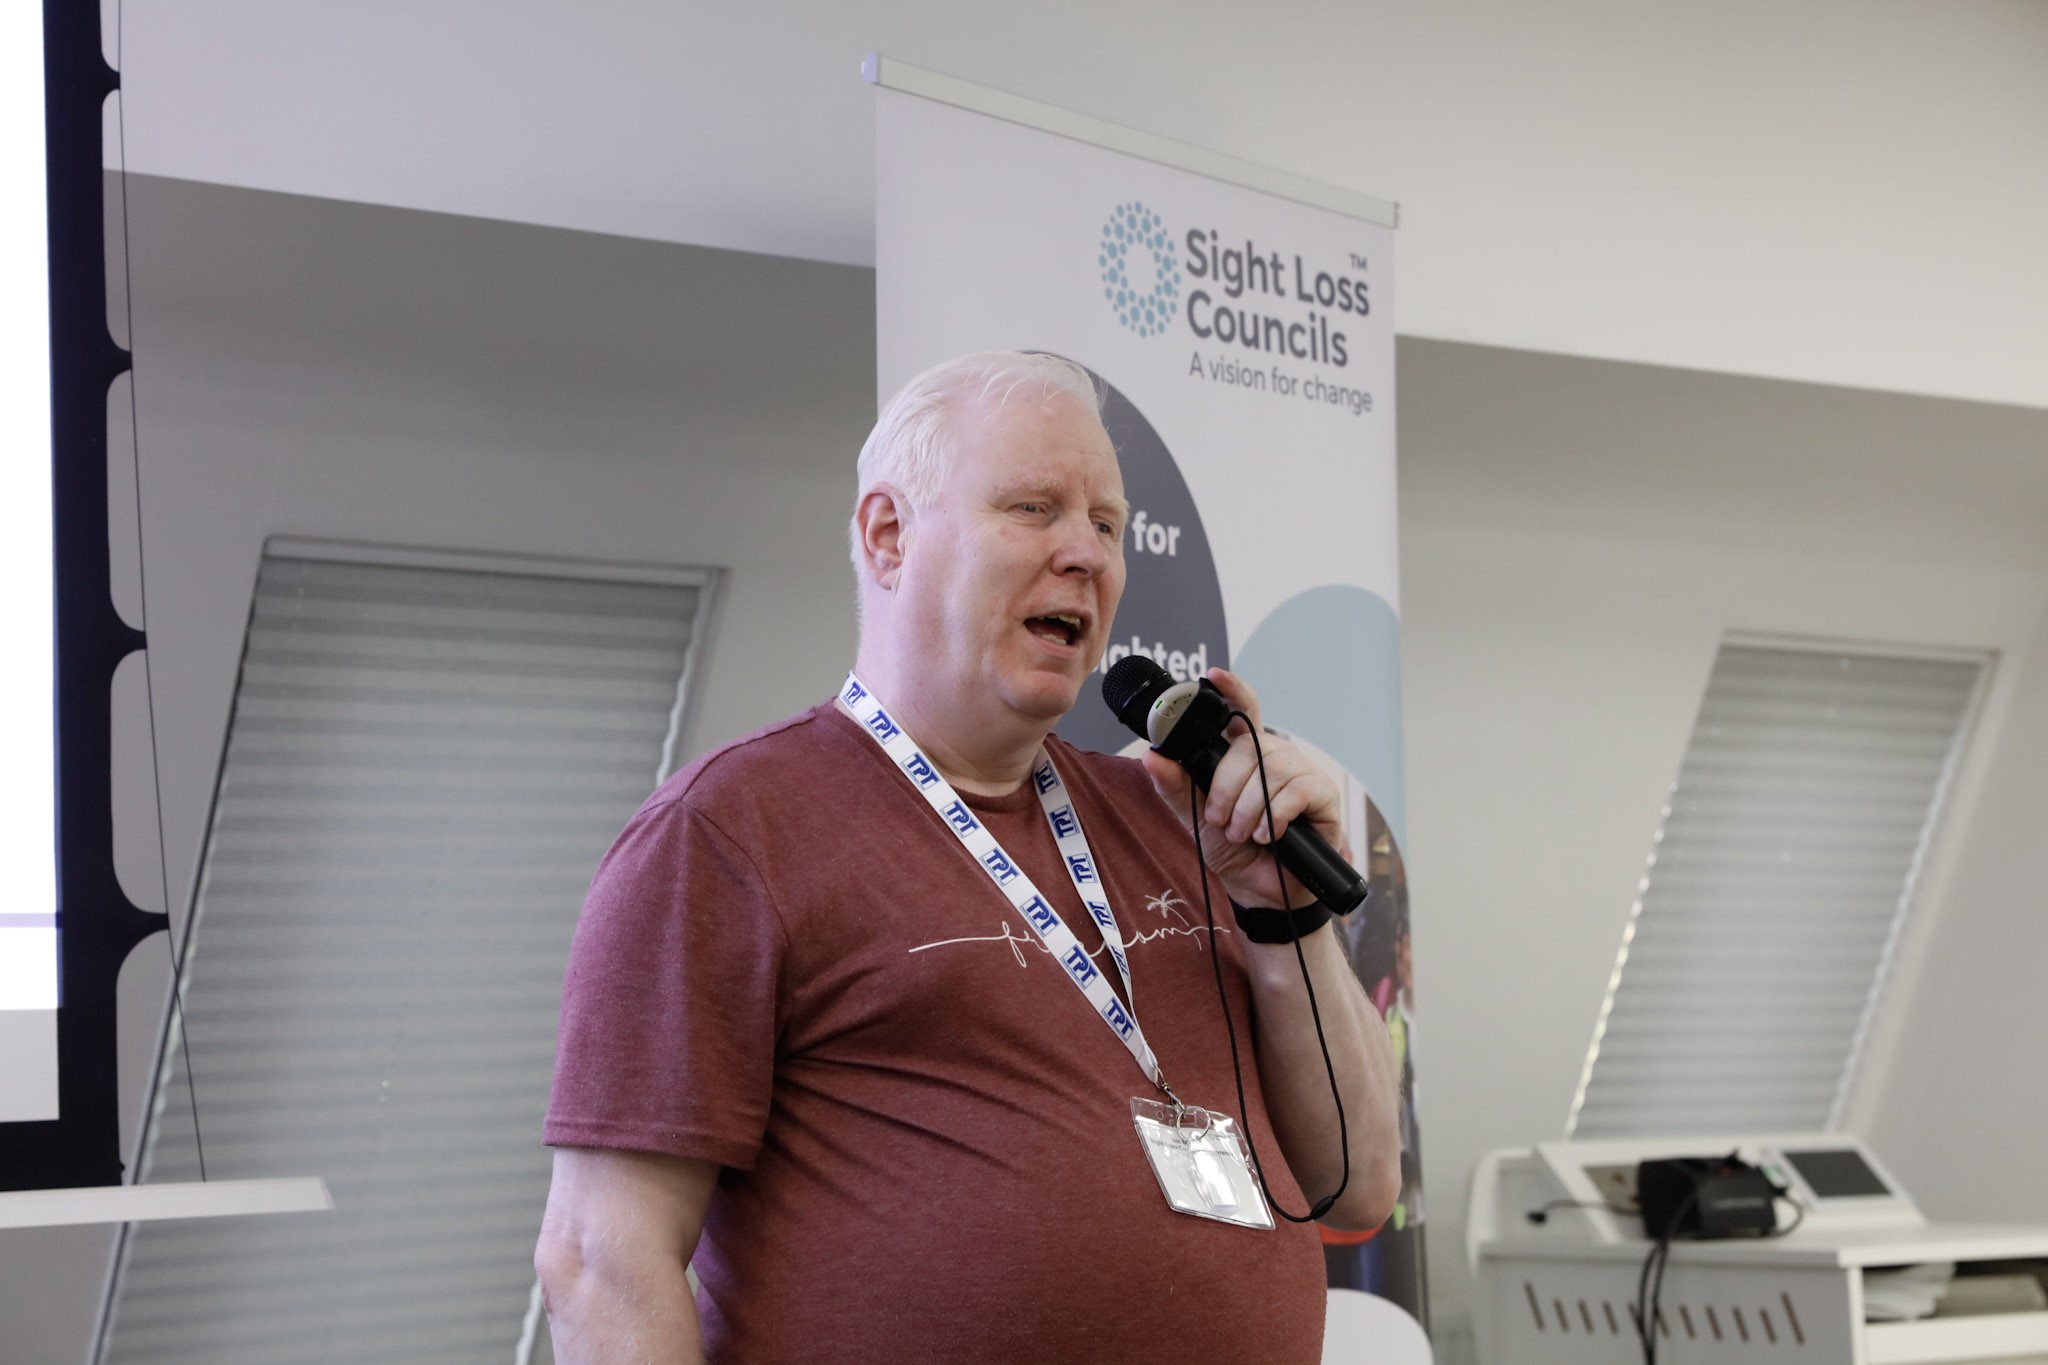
x,y
1058,627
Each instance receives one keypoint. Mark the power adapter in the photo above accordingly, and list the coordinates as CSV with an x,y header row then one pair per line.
x,y
1705,1197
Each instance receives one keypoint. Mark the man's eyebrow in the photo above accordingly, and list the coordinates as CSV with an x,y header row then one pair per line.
x,y
1048,487
1030,486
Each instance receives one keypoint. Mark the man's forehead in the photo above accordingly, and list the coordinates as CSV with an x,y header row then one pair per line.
x,y
1019,436
1048,472
1024,407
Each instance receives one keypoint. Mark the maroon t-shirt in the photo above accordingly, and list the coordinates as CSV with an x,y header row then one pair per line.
x,y
788,965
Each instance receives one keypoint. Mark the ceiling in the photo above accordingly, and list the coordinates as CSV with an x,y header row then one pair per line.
x,y
1834,192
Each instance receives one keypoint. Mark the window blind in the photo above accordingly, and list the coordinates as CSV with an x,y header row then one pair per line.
x,y
424,764
1774,893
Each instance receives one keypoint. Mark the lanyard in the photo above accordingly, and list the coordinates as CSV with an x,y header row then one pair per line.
x,y
1012,880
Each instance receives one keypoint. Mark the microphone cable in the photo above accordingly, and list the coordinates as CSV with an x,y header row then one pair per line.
x,y
1323,1205
1650,1281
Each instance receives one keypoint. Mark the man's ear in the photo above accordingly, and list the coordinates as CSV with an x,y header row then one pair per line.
x,y
881,524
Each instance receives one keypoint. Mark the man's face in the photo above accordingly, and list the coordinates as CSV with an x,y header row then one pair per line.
x,y
1011,576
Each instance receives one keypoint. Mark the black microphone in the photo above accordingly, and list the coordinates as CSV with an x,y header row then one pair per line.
x,y
1185,721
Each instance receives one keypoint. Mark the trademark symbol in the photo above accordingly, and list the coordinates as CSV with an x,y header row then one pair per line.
x,y
1357,261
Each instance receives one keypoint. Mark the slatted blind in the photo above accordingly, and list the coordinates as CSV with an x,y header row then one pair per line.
x,y
1774,893
424,765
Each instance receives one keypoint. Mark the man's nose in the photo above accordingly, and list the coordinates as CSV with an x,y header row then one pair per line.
x,y
1082,549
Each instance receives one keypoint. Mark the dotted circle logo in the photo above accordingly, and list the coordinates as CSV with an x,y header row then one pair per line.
x,y
1134,233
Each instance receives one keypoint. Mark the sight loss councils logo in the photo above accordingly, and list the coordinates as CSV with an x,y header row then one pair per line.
x,y
1140,273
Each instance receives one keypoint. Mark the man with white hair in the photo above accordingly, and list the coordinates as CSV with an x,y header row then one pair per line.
x,y
821,1034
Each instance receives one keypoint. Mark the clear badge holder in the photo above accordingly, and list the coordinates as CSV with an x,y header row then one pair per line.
x,y
1200,1162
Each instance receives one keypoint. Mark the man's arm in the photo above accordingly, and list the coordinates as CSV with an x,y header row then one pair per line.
x,y
1291,1071
1297,1087
617,1237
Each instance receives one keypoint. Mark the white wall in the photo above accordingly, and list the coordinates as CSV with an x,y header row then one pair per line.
x,y
1836,191
1963,1114
314,368
1577,537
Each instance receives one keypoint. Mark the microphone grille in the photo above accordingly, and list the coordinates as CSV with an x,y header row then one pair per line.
x,y
1130,687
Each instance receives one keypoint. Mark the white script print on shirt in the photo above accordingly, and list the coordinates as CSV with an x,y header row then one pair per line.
x,y
1168,905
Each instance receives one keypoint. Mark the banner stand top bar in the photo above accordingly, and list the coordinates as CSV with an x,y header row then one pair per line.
x,y
891,74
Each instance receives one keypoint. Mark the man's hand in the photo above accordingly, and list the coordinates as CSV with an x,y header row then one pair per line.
x,y
1235,835
1235,843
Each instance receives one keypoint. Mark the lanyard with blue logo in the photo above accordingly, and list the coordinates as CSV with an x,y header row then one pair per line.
x,y
1014,882
1198,1157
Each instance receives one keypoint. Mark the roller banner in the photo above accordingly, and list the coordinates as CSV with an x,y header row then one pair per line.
x,y
1246,345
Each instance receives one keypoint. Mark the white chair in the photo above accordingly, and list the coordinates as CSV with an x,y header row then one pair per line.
x,y
1364,1327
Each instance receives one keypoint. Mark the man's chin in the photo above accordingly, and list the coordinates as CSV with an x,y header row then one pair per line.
x,y
1046,696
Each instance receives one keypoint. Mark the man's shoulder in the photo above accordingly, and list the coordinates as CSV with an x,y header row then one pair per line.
x,y
769,765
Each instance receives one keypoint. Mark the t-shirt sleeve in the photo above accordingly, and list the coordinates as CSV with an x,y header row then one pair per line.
x,y
671,1004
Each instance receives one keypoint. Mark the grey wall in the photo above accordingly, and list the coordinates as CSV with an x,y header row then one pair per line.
x,y
310,367
1964,1112
1577,536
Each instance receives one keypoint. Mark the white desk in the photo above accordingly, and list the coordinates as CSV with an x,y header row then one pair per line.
x,y
1564,1301
1564,1292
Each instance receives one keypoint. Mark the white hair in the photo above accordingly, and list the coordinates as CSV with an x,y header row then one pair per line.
x,y
914,442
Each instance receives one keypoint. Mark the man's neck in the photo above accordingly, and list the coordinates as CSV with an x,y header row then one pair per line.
x,y
982,759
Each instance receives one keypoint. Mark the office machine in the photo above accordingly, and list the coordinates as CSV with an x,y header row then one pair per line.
x,y
1839,1268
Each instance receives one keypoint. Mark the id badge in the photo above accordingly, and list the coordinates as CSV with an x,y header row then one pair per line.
x,y
1200,1162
